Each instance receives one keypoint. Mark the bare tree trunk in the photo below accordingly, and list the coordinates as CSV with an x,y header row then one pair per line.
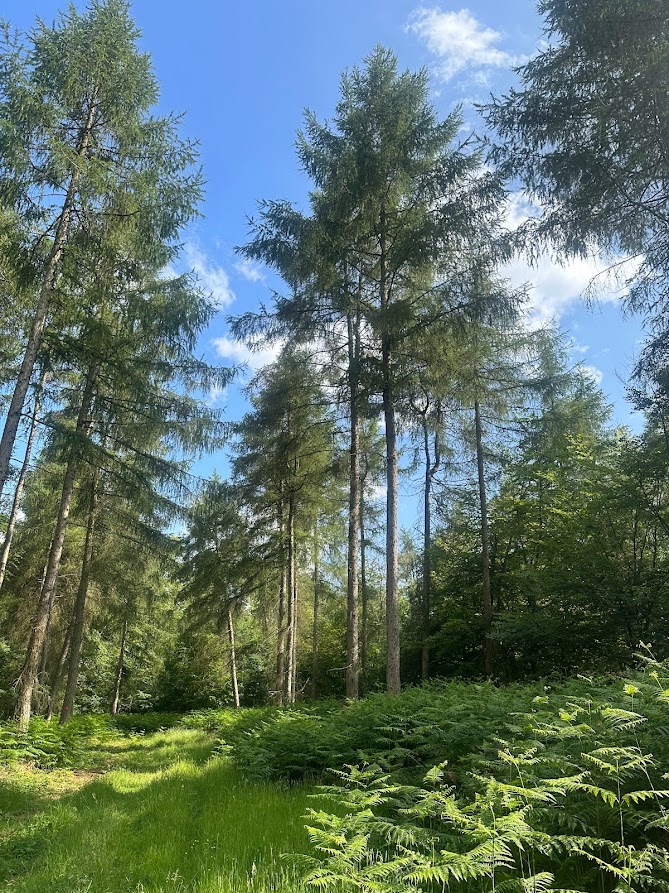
x,y
290,649
294,632
314,635
281,639
431,469
352,644
43,301
28,678
364,632
120,664
79,614
488,653
23,474
233,658
392,554
58,674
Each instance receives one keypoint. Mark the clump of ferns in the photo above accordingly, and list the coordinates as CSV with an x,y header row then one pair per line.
x,y
570,801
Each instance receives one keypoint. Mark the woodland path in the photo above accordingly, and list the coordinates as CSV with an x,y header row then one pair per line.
x,y
155,813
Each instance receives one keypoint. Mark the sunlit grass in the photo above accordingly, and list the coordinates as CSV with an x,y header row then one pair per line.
x,y
168,817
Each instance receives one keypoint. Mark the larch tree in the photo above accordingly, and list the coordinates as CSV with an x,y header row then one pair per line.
x,y
395,201
75,102
284,458
587,134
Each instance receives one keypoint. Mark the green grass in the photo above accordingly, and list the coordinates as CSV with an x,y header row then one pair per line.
x,y
153,813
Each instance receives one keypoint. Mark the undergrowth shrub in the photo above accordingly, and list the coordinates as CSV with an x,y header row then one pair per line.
x,y
145,722
571,799
403,732
48,745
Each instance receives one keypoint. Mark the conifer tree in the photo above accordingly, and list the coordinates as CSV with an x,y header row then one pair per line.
x,y
284,458
75,100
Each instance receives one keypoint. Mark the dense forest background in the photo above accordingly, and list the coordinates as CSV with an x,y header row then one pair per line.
x,y
127,583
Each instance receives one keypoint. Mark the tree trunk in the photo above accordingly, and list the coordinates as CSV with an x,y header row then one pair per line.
x,y
392,560
58,675
280,683
488,653
290,597
43,301
20,484
233,658
120,664
79,614
294,621
352,645
364,632
314,634
28,678
431,469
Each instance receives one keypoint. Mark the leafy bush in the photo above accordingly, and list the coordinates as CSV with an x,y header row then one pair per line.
x,y
570,800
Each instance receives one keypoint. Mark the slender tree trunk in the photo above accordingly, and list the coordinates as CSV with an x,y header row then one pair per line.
x,y
364,632
58,674
352,643
288,682
294,630
294,638
20,484
314,635
120,664
233,658
488,654
281,639
43,300
431,469
392,561
28,678
392,554
79,615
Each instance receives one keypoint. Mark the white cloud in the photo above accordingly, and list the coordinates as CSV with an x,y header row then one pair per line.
x,y
217,395
214,279
238,352
555,287
459,40
589,371
250,271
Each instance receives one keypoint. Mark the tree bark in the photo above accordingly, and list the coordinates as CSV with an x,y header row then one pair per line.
x,y
392,558
79,615
58,675
28,678
488,647
280,683
120,664
290,597
364,631
23,474
352,643
233,658
314,635
43,301
294,630
431,469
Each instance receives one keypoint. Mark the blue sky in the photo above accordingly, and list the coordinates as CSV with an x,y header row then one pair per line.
x,y
244,73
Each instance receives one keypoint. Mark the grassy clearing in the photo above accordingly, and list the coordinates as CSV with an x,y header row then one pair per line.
x,y
148,814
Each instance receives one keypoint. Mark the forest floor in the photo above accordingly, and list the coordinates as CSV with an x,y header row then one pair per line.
x,y
155,813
